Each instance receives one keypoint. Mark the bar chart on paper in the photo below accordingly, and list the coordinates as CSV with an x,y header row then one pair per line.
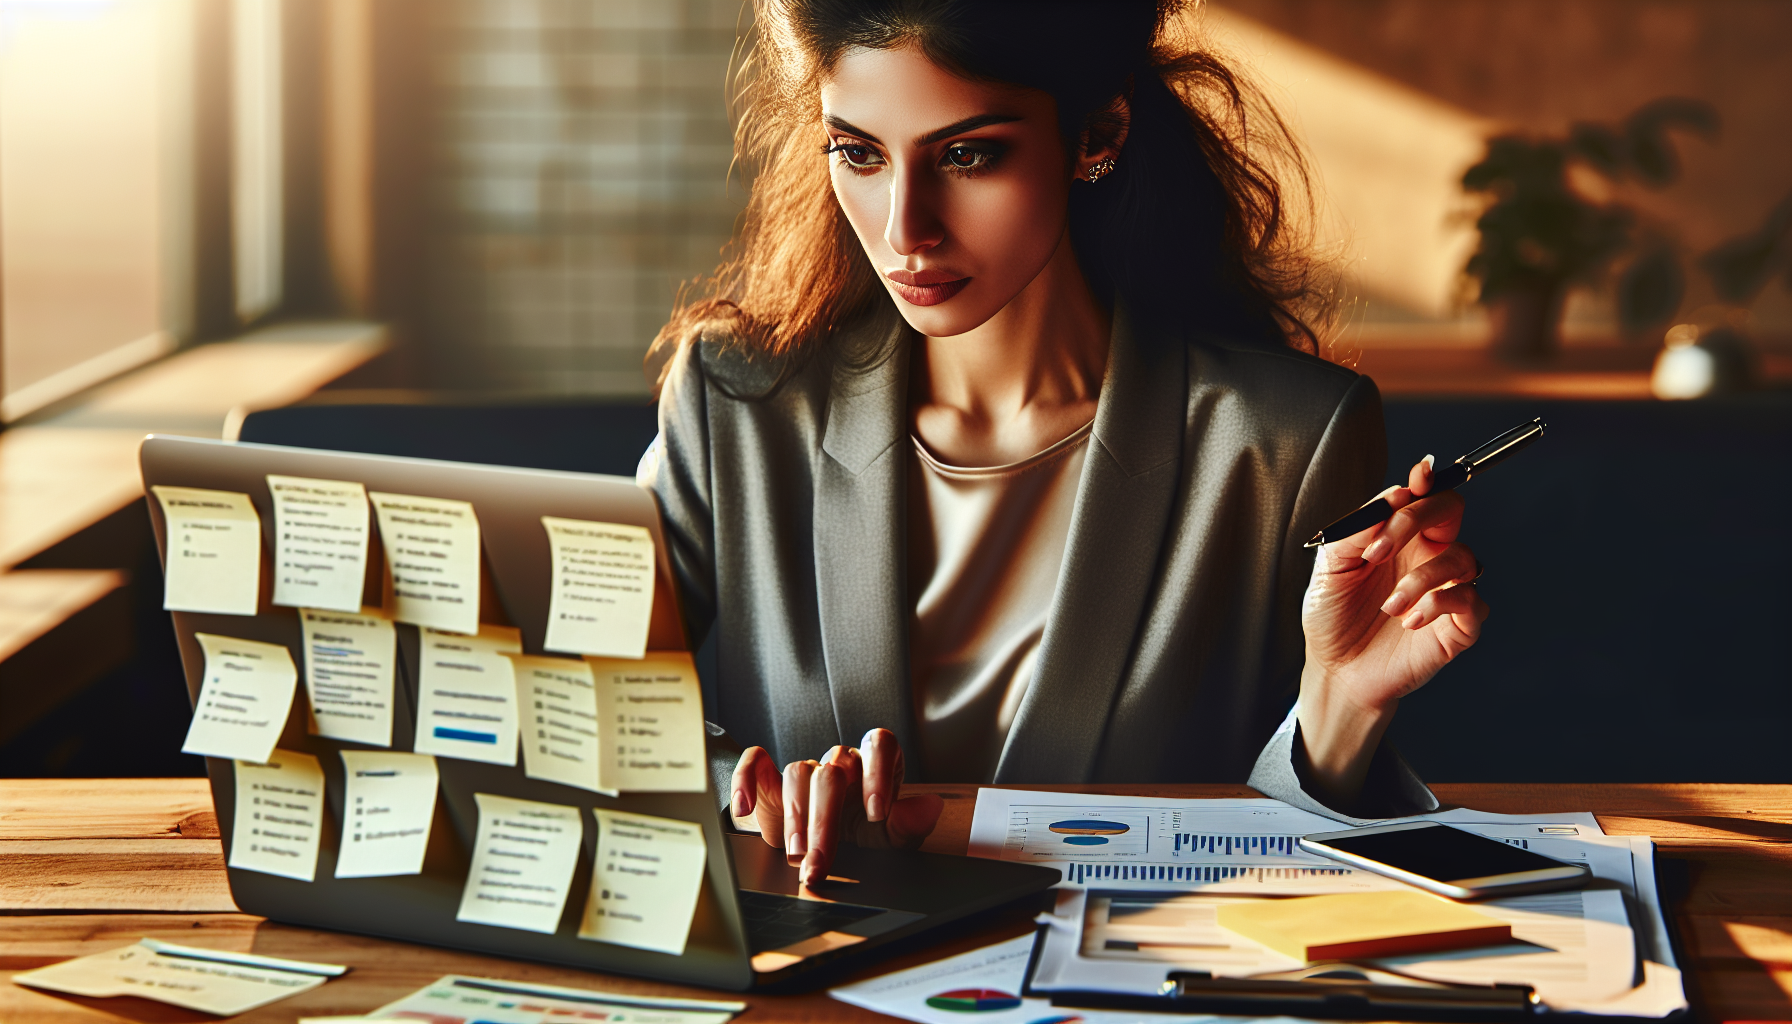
x,y
1103,835
1227,845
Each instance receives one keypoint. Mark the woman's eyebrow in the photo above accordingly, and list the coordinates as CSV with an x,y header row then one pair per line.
x,y
968,124
842,125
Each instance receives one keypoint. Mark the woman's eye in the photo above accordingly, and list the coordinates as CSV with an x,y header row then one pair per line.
x,y
857,155
967,158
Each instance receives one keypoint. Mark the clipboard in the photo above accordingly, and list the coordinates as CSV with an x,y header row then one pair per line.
x,y
1368,995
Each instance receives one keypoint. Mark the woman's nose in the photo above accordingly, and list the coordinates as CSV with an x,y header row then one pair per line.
x,y
915,224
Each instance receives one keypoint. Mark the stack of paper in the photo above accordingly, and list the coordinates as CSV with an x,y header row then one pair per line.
x,y
1145,881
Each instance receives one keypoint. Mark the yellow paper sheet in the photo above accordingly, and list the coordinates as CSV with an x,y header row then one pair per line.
x,y
466,704
557,705
522,864
432,555
651,713
208,980
389,802
320,542
244,699
214,551
602,598
351,660
279,816
645,881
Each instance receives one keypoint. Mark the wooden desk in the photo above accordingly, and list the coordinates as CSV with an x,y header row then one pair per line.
x,y
89,865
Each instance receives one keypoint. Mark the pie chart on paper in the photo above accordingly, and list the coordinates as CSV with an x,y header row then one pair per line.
x,y
973,1000
1088,831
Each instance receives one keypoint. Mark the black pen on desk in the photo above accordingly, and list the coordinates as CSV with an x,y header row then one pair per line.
x,y
1443,478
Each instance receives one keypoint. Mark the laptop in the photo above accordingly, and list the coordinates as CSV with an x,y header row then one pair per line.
x,y
754,924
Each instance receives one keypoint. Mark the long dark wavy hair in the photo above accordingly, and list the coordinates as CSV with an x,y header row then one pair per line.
x,y
1194,222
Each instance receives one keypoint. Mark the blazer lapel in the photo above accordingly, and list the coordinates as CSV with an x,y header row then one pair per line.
x,y
1123,508
860,545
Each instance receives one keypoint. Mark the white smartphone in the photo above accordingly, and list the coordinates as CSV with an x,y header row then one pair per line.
x,y
1447,861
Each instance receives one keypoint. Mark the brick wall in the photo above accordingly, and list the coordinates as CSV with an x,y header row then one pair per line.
x,y
580,175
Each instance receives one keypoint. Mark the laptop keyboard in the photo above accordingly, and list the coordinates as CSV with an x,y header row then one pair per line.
x,y
775,921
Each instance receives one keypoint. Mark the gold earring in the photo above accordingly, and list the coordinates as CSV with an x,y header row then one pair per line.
x,y
1100,169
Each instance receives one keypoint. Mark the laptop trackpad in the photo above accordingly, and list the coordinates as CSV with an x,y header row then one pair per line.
x,y
787,922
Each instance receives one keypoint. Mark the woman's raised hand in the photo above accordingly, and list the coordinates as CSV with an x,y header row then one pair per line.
x,y
854,792
1385,610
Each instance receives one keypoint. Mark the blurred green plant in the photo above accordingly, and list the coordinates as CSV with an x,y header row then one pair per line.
x,y
1539,234
1741,267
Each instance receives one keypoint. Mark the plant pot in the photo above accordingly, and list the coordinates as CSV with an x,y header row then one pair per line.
x,y
1527,324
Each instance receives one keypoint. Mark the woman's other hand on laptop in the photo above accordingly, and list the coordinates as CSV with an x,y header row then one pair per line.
x,y
852,791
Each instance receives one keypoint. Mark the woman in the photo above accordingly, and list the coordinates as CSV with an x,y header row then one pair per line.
x,y
997,440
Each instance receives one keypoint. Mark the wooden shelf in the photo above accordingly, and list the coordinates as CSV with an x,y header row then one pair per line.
x,y
35,601
63,471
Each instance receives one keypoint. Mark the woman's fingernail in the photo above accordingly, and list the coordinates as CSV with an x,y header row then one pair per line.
x,y
874,807
1430,462
1412,621
794,846
1377,551
740,809
1395,604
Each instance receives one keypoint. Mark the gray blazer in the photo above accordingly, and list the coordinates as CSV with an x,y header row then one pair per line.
x,y
1174,645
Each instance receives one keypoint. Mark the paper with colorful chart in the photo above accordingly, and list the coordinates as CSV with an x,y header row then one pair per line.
x,y
982,986
1237,845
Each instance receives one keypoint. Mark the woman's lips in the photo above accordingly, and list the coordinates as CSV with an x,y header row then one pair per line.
x,y
925,287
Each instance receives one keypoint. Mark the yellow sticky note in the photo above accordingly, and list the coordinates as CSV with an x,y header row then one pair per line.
x,y
466,701
351,661
602,597
320,542
432,554
557,708
522,864
389,803
279,815
650,714
244,699
645,881
1362,924
214,551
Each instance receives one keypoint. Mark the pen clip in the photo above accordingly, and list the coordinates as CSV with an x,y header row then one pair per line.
x,y
1502,447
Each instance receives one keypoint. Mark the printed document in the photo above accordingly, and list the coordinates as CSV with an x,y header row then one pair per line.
x,y
1237,845
983,985
279,816
214,551
1573,947
244,699
651,712
320,542
557,702
602,588
466,704
1168,863
645,881
522,864
461,1000
388,804
351,661
207,980
432,558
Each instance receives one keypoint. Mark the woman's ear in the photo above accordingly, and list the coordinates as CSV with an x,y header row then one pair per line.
x,y
1103,139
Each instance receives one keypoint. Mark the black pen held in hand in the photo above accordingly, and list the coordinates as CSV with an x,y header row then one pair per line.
x,y
1445,478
